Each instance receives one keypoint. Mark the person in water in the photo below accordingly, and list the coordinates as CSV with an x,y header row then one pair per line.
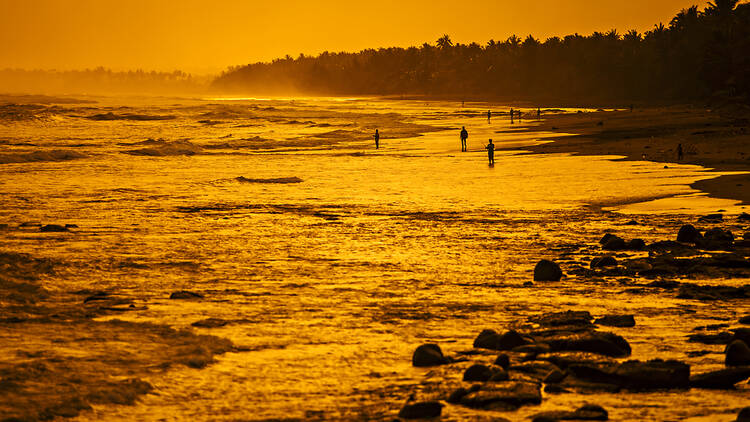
x,y
489,115
511,115
464,137
490,152
538,113
377,139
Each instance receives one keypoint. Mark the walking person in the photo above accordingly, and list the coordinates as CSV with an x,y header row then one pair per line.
x,y
377,139
491,152
464,137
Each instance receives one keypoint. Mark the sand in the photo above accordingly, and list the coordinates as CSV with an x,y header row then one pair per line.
x,y
718,139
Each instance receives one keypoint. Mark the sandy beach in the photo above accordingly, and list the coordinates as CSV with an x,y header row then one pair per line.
x,y
713,138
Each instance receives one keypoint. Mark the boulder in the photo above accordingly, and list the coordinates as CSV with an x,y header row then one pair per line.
x,y
616,321
744,415
689,234
479,372
635,375
546,270
487,339
589,412
184,294
743,217
723,379
706,292
428,355
508,395
566,318
711,218
737,354
554,376
502,361
606,238
745,320
741,334
421,410
53,228
717,338
717,239
636,245
615,243
603,343
538,369
510,340
603,261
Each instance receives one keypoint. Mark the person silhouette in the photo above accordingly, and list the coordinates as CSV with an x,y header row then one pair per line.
x,y
519,115
679,152
377,139
464,137
511,115
489,115
490,152
538,113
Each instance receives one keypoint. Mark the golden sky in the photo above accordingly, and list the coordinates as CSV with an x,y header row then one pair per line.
x,y
203,36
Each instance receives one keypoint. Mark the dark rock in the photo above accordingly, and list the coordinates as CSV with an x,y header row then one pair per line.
x,y
507,395
555,389
422,410
536,369
689,234
534,349
636,245
737,354
636,375
566,318
615,243
631,223
457,395
704,292
554,376
53,228
210,323
722,379
511,340
589,412
478,372
606,238
616,321
745,319
711,218
717,239
546,270
718,338
744,415
428,355
499,375
743,217
502,361
528,284
603,261
746,236
71,226
742,334
487,339
184,294
565,359
603,343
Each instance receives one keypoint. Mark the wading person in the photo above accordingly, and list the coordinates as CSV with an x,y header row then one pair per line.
x,y
489,115
538,113
511,115
377,139
464,137
490,152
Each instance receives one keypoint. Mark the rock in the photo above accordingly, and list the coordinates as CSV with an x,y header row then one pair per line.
x,y
546,270
606,238
478,372
636,245
717,239
428,355
705,292
554,376
53,228
745,320
638,265
507,395
589,412
536,369
635,375
741,334
603,343
184,294
555,389
533,349
210,323
511,340
502,361
71,226
722,379
631,223
737,354
566,318
743,217
744,415
603,261
421,410
689,234
616,321
499,375
718,338
711,218
457,395
615,243
487,339
746,236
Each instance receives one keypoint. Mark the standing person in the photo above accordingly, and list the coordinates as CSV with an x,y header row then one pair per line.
x,y
377,139
679,152
491,152
511,115
538,113
489,115
464,137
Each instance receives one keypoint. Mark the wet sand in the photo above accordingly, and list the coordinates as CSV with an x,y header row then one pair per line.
x,y
712,138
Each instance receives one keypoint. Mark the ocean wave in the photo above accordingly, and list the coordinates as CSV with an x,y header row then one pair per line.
x,y
162,148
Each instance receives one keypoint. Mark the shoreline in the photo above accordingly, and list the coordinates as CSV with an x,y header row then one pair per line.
x,y
714,139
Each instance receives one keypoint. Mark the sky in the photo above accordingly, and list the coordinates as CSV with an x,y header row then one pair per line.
x,y
207,36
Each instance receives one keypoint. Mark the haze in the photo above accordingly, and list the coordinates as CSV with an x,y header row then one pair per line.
x,y
204,37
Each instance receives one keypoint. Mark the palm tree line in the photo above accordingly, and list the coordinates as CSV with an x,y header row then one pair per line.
x,y
699,54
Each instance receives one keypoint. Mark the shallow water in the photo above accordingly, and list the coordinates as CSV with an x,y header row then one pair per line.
x,y
333,281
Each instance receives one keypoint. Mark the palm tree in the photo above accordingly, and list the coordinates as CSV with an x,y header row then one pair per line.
x,y
444,42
